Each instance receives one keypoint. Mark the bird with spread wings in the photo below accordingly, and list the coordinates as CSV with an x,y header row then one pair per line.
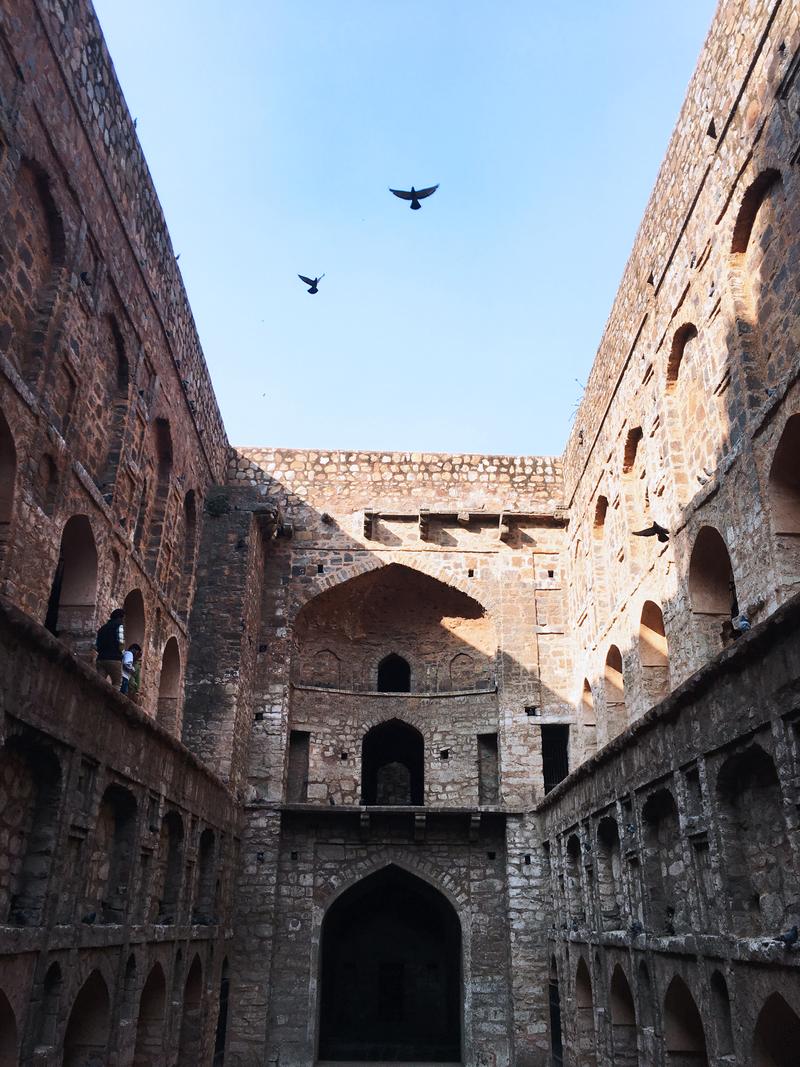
x,y
414,195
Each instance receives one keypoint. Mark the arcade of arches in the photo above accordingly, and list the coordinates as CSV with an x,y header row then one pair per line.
x,y
491,760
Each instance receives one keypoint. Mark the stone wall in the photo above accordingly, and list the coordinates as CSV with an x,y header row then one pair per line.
x,y
672,856
694,387
119,852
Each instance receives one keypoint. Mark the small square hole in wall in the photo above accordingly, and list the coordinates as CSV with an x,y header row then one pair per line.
x,y
320,568
295,855
471,572
491,855
444,753
531,709
551,574
259,715
527,859
343,755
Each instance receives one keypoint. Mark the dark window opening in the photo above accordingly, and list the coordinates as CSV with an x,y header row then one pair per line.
x,y
297,775
394,675
392,765
488,769
555,755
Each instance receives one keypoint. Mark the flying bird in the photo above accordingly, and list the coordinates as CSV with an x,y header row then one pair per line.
x,y
653,530
415,195
313,282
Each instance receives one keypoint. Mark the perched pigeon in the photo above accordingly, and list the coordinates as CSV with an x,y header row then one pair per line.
x,y
415,195
653,531
790,937
313,282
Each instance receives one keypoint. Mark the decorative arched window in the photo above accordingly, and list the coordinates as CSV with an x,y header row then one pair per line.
x,y
394,674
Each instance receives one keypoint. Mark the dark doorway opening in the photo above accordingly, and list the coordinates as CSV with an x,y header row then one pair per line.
x,y
394,675
391,973
555,755
392,765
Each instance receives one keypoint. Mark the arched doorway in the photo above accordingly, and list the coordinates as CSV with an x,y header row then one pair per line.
x,y
150,1026
391,973
70,609
169,685
684,1036
392,764
777,1034
88,1026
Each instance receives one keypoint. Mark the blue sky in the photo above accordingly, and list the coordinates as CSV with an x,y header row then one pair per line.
x,y
273,131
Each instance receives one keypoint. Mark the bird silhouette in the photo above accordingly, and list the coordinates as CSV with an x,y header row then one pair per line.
x,y
654,530
313,282
415,195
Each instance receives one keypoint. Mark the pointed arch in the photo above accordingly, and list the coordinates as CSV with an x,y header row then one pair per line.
x,y
163,453
653,653
87,1033
584,1005
150,1033
169,685
712,588
189,550
664,869
684,1036
386,935
394,674
588,720
623,1019
755,841
682,337
614,689
721,1003
776,1038
191,1031
71,607
609,873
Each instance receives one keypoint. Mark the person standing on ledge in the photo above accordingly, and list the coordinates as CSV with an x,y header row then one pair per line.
x,y
109,645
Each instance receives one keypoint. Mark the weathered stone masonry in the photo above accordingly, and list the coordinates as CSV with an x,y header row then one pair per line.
x,y
435,760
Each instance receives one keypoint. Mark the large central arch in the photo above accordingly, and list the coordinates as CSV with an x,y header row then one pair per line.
x,y
391,984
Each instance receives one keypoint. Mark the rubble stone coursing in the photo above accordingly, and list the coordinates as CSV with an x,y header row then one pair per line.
x,y
168,865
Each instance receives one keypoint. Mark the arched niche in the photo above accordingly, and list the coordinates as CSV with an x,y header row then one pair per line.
x,y
71,607
135,619
784,506
191,1032
393,764
588,721
664,868
712,588
386,611
105,430
163,457
600,547
391,973
776,1038
721,1004
33,235
623,1020
394,674
169,681
653,653
584,1005
205,904
112,854
572,864
150,1033
684,1036
189,549
609,873
30,794
86,1037
614,687
755,840
170,869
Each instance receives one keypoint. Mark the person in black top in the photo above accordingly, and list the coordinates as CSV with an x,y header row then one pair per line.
x,y
109,645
